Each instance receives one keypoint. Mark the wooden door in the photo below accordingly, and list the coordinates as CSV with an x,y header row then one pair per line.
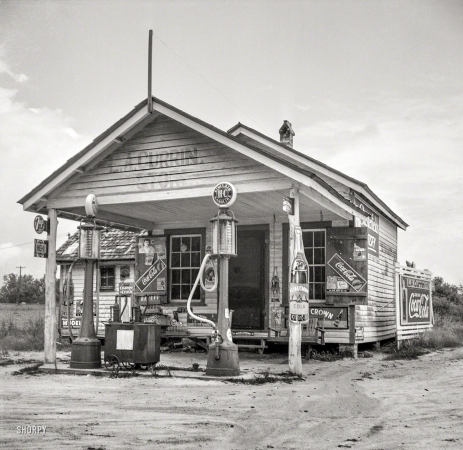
x,y
247,281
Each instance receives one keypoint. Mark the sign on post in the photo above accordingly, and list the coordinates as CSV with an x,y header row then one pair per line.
x,y
40,248
40,225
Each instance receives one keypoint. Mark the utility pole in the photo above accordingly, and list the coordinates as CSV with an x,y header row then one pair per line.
x,y
18,297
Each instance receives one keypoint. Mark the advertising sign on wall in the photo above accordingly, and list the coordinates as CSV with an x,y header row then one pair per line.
x,y
415,301
371,222
334,317
151,265
347,273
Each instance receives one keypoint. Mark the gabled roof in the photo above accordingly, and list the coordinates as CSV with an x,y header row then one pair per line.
x,y
115,245
359,186
287,163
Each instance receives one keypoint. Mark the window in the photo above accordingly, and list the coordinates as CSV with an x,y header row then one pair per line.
x,y
185,261
314,249
107,279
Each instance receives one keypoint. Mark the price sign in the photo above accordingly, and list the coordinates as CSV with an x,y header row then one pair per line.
x,y
40,248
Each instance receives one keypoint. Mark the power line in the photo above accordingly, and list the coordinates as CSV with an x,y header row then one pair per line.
x,y
27,243
207,81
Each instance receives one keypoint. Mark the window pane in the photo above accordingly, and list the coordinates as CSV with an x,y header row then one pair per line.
x,y
196,243
309,255
186,289
195,259
175,244
175,260
319,239
319,275
185,246
175,292
194,274
310,290
307,238
186,278
197,294
311,274
319,256
318,291
176,276
185,261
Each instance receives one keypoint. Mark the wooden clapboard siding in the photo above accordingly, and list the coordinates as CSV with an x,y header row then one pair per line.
x,y
378,317
165,155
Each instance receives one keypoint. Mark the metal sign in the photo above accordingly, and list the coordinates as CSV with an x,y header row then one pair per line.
x,y
224,194
125,289
334,317
150,275
371,222
40,224
352,277
40,248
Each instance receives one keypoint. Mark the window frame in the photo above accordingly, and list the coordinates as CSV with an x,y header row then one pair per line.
x,y
313,265
100,285
185,234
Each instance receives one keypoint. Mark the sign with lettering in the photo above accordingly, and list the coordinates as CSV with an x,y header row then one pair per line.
x,y
224,194
40,248
371,222
151,263
334,317
125,289
148,278
415,299
40,224
299,303
347,273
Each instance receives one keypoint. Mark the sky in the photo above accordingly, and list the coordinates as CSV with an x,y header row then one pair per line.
x,y
373,89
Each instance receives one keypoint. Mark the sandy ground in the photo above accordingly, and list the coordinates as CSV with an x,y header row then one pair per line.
x,y
360,404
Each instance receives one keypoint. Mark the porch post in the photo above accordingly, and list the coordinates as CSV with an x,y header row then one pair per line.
x,y
295,329
50,292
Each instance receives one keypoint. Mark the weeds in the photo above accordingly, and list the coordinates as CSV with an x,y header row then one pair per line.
x,y
267,377
28,337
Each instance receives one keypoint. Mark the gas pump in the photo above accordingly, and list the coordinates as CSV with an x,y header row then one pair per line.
x,y
223,353
86,349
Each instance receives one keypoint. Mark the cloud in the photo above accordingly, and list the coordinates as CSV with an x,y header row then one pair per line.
x,y
4,68
34,142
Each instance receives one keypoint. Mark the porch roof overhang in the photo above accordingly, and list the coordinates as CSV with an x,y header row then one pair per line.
x,y
135,211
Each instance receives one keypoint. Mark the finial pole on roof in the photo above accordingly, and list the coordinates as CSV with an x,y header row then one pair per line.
x,y
150,63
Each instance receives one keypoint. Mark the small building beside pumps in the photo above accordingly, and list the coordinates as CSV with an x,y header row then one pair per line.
x,y
153,174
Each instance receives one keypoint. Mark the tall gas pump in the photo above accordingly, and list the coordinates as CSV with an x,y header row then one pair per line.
x,y
223,353
86,349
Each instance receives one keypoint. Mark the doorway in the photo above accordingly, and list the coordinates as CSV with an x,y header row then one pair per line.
x,y
247,280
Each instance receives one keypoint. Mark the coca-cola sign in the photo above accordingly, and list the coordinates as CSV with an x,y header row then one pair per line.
x,y
347,273
150,275
299,303
415,301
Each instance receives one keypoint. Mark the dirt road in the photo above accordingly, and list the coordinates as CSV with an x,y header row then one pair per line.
x,y
360,404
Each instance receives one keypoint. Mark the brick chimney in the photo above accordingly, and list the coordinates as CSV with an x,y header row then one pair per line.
x,y
286,134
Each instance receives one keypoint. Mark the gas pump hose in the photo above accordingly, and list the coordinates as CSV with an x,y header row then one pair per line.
x,y
215,333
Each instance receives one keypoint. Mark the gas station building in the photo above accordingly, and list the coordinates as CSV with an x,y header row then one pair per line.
x,y
153,173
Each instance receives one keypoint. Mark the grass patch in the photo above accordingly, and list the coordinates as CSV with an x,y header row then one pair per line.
x,y
327,355
21,335
446,333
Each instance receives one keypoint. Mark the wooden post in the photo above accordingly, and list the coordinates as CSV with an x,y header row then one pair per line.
x,y
50,292
295,329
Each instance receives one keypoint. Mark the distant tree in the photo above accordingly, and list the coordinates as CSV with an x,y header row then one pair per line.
x,y
446,290
30,290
